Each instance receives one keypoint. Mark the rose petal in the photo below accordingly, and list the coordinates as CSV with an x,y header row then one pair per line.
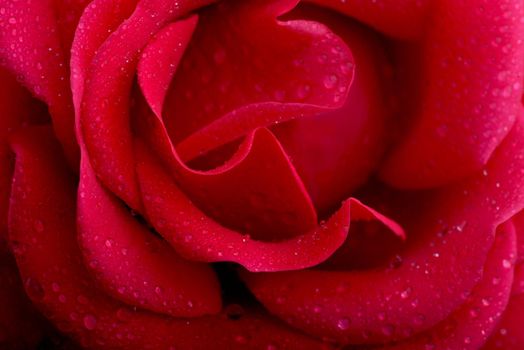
x,y
335,151
31,50
105,101
471,83
42,220
257,70
160,58
17,107
509,335
404,19
132,264
469,326
458,227
198,237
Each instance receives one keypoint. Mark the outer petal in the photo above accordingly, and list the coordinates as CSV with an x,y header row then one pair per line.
x,y
471,83
104,115
196,236
42,221
469,326
132,264
30,48
509,335
383,304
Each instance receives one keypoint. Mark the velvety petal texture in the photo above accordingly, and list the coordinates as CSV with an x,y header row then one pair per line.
x,y
263,174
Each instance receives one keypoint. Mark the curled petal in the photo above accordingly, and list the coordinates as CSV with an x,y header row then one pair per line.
x,y
198,237
105,102
459,227
132,264
42,220
32,51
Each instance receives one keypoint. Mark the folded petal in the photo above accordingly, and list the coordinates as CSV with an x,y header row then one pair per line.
x,y
453,230
132,264
30,48
198,237
470,325
108,80
42,220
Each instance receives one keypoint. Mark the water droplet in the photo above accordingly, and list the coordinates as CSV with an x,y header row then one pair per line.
x,y
271,347
89,322
317,309
109,243
343,324
330,81
12,20
485,302
62,298
467,340
158,290
506,263
405,293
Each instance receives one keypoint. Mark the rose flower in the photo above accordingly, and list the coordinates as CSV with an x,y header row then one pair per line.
x,y
261,174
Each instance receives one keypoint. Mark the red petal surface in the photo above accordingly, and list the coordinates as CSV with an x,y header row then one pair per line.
x,y
108,81
256,70
160,58
469,326
17,108
509,335
471,83
335,151
42,220
196,236
454,230
132,264
403,19
30,48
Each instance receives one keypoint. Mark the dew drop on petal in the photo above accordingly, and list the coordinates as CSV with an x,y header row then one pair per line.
x,y
89,322
343,324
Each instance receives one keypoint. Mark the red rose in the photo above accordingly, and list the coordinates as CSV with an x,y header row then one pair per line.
x,y
261,174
